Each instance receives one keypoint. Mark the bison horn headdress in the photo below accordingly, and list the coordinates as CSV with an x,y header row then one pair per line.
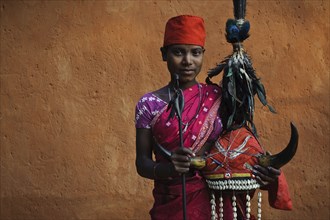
x,y
228,166
240,84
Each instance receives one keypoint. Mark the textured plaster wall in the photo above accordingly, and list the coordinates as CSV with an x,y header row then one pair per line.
x,y
72,71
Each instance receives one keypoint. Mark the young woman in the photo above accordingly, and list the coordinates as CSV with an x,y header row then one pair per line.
x,y
183,50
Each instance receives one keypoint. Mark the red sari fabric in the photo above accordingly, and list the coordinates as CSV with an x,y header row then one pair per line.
x,y
279,195
168,200
200,111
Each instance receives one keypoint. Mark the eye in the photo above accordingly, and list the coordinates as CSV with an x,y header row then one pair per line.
x,y
177,51
197,52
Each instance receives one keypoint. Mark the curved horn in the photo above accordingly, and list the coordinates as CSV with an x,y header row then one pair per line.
x,y
282,158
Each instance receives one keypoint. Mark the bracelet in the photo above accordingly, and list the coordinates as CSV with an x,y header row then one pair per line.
x,y
155,166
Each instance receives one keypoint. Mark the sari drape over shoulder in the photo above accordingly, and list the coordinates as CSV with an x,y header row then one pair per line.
x,y
199,115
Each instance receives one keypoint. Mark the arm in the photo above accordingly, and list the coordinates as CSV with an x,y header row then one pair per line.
x,y
144,163
146,167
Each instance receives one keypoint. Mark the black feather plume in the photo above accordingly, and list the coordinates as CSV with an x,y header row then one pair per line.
x,y
239,9
239,85
239,82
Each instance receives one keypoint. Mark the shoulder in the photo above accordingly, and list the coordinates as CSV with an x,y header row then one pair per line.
x,y
145,98
150,98
146,108
159,96
149,105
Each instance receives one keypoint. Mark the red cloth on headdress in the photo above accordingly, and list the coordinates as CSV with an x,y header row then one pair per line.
x,y
279,195
185,29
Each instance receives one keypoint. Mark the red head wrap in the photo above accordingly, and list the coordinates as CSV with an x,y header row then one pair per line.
x,y
185,29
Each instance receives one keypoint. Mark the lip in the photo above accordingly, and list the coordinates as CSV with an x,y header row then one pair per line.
x,y
187,71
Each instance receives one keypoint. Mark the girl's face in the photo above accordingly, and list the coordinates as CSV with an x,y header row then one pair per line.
x,y
185,61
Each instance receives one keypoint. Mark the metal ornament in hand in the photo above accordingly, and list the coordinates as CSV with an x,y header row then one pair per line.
x,y
176,104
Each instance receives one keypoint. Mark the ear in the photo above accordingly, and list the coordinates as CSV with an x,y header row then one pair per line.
x,y
164,53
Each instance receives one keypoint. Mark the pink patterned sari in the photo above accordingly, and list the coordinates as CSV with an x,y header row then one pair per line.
x,y
201,108
199,115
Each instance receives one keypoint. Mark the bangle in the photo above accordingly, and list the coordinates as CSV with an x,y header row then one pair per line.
x,y
155,166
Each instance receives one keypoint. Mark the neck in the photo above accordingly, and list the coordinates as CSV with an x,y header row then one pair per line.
x,y
184,85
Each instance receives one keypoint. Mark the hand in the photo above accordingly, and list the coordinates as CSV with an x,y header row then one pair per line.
x,y
181,159
265,175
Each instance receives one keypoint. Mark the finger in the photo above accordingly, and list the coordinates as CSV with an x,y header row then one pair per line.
x,y
184,151
273,171
270,172
261,169
180,171
181,167
181,164
262,183
264,177
180,158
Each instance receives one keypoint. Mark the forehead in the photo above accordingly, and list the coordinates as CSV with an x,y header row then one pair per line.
x,y
185,46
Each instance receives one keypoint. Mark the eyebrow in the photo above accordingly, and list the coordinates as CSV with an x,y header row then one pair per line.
x,y
187,49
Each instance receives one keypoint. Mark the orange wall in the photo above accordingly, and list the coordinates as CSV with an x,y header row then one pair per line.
x,y
72,71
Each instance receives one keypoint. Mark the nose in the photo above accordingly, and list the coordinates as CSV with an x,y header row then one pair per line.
x,y
187,59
